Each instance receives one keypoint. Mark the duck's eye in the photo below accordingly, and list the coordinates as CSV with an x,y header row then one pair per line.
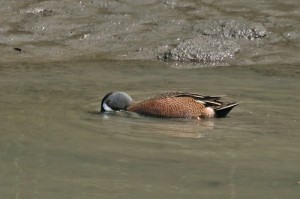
x,y
108,102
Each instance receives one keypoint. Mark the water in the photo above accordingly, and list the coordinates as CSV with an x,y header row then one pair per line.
x,y
54,144
59,58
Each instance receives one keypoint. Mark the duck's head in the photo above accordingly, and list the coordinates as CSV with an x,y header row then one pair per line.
x,y
115,101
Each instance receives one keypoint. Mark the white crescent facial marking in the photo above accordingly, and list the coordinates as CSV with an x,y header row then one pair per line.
x,y
106,108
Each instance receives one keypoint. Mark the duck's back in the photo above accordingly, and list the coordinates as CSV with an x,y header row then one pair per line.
x,y
169,106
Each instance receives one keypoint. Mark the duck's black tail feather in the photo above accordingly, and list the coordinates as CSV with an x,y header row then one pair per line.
x,y
224,110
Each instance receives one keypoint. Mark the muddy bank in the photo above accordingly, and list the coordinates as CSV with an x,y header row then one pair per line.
x,y
214,32
218,42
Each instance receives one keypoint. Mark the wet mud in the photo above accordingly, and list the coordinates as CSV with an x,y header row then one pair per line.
x,y
207,32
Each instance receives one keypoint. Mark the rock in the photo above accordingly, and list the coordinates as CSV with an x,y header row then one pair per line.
x,y
203,49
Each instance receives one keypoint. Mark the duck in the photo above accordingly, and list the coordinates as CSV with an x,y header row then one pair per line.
x,y
170,105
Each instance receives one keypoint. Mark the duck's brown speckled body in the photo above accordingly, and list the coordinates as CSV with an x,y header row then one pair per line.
x,y
169,105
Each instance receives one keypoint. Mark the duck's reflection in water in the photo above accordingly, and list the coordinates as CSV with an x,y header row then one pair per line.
x,y
133,123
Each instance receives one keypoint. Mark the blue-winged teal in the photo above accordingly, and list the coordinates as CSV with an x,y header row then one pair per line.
x,y
169,105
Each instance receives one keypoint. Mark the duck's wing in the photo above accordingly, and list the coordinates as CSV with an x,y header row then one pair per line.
x,y
221,108
207,100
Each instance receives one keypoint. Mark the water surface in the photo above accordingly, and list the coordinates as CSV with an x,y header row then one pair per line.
x,y
54,145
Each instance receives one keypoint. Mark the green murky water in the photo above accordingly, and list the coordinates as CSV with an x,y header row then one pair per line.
x,y
53,145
